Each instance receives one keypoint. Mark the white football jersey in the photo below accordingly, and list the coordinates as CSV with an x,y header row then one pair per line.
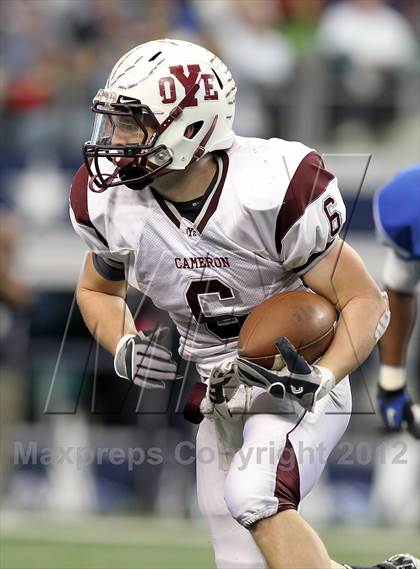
x,y
273,212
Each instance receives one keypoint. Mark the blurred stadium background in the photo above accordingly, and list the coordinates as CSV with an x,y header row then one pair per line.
x,y
342,77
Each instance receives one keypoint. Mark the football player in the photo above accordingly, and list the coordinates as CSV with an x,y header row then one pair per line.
x,y
397,219
208,225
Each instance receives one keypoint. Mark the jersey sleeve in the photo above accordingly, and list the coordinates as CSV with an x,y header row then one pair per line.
x,y
109,265
311,216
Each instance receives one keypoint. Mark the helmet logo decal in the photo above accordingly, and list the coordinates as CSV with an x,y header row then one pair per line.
x,y
167,87
167,84
210,92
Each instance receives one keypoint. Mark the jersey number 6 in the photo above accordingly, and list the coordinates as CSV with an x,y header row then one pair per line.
x,y
333,216
225,326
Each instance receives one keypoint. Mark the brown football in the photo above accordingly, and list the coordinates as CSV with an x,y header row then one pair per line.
x,y
306,319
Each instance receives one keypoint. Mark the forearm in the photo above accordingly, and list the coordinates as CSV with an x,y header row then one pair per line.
x,y
342,278
107,317
354,339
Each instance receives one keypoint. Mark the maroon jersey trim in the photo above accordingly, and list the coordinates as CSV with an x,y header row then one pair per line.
x,y
79,201
214,202
210,207
164,207
308,265
110,272
287,489
308,182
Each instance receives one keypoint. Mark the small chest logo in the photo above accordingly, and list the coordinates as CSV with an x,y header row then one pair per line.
x,y
191,232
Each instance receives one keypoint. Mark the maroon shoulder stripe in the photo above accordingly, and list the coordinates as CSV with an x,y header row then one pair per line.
x,y
78,196
307,184
217,193
79,201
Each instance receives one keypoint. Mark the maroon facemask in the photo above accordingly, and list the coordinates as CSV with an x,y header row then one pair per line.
x,y
125,133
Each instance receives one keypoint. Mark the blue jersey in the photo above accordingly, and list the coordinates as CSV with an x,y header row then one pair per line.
x,y
397,213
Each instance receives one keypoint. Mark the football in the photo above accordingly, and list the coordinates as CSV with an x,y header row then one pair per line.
x,y
306,319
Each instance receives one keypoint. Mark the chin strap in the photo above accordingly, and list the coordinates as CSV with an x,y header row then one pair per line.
x,y
201,148
176,111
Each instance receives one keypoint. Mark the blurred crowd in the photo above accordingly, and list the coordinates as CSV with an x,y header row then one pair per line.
x,y
307,70
351,57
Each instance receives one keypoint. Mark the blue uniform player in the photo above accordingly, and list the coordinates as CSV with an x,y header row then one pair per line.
x,y
397,219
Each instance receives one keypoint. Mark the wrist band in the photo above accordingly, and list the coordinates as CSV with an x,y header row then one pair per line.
x,y
122,341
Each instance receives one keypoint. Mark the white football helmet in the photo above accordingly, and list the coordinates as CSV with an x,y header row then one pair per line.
x,y
153,95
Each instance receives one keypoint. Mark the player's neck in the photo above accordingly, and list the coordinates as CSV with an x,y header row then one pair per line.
x,y
185,185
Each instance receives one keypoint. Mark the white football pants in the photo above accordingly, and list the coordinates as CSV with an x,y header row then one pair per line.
x,y
264,463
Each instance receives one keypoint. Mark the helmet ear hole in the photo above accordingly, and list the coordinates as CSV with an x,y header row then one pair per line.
x,y
193,129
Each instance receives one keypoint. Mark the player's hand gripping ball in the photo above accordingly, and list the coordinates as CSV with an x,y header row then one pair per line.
x,y
280,340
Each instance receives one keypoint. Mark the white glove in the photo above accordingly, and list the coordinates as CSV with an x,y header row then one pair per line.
x,y
298,380
223,394
142,360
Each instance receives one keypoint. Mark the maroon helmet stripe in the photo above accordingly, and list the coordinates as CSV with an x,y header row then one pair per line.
x,y
165,208
79,201
308,182
217,193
